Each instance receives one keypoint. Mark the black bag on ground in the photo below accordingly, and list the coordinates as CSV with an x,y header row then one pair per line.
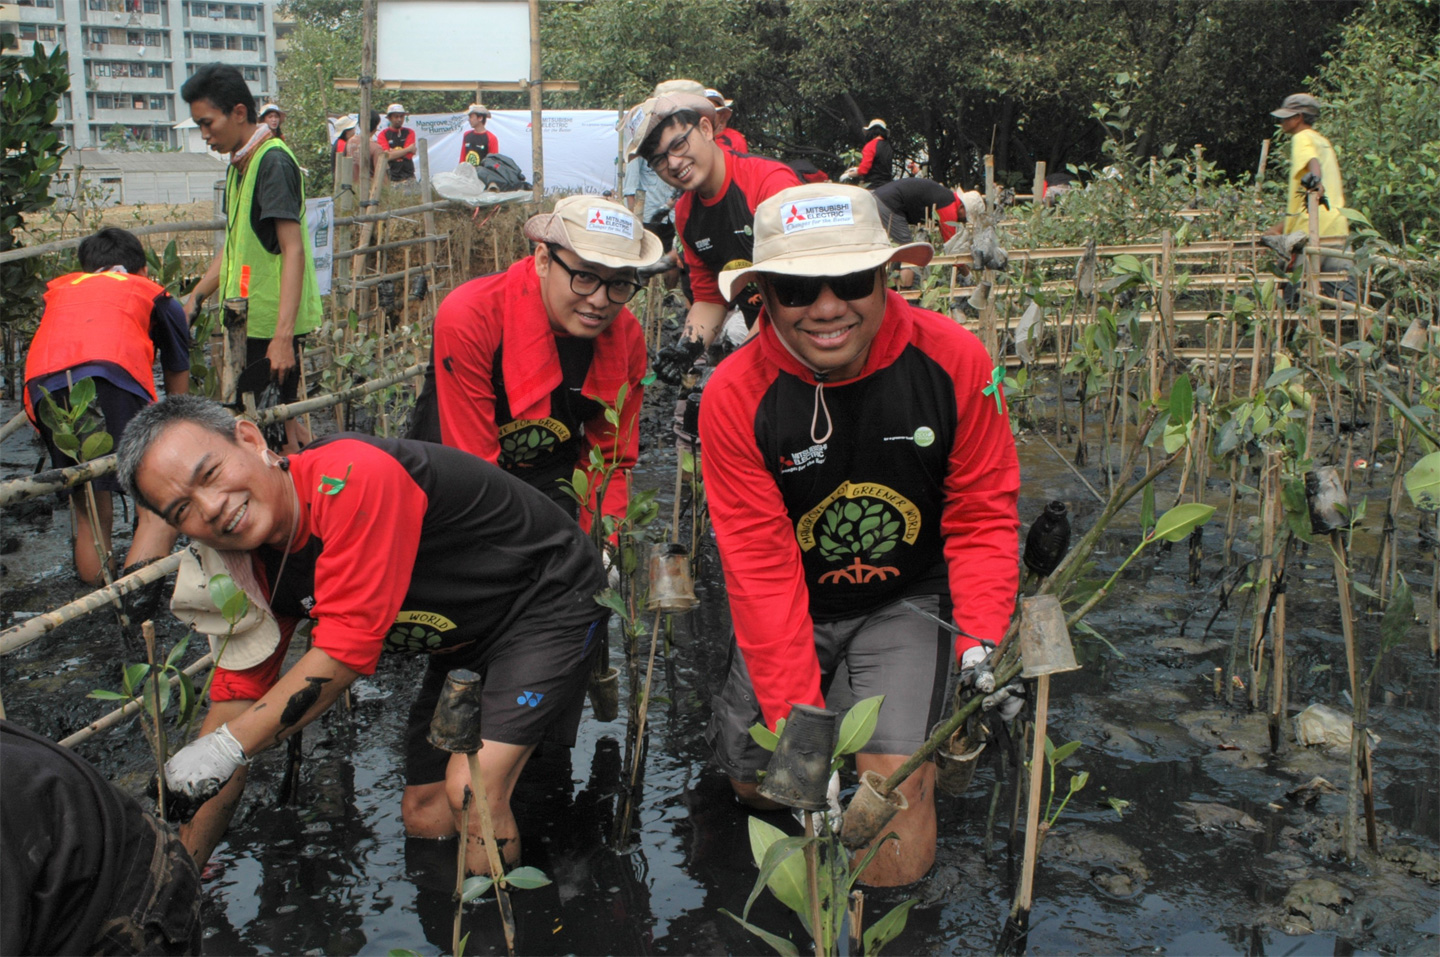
x,y
500,172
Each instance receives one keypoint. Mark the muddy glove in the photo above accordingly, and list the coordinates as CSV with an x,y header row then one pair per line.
x,y
1006,702
975,671
674,361
1310,181
199,770
142,604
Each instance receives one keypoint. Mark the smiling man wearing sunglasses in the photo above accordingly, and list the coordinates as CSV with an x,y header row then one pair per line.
x,y
523,359
857,455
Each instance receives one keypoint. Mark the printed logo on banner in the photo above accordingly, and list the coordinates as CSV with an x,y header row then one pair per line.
x,y
818,212
610,221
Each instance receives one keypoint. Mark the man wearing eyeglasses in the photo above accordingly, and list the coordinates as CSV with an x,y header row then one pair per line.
x,y
526,360
714,216
858,456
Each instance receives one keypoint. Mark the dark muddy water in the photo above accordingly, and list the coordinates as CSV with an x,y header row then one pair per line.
x,y
334,873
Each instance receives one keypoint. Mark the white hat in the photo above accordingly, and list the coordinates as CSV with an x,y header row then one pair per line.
x,y
974,204
256,634
876,122
718,98
395,108
270,108
820,229
345,123
649,116
597,230
480,108
679,86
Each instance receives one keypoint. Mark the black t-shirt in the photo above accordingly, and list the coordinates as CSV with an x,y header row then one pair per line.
x,y
913,197
529,450
278,195
67,840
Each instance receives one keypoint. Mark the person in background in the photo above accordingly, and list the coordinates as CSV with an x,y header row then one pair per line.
x,y
83,868
877,158
726,135
399,143
858,456
272,116
388,545
808,171
105,323
911,202
1314,167
478,142
265,259
524,358
675,134
345,129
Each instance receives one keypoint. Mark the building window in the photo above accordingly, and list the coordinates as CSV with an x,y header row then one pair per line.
x,y
47,4
98,36
28,32
104,101
250,43
251,73
155,71
200,41
152,6
247,13
158,103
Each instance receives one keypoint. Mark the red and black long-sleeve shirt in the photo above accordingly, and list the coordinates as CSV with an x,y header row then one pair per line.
x,y
732,140
476,145
511,391
877,161
915,198
721,230
391,138
913,493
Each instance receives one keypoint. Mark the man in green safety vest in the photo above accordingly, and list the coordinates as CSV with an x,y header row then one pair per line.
x,y
265,260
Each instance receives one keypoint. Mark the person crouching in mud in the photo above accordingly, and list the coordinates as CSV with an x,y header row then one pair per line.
x,y
387,545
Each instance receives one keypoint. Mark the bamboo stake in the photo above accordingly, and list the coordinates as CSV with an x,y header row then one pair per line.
x,y
17,637
492,852
460,847
1277,670
812,874
119,715
1357,732
1267,553
148,631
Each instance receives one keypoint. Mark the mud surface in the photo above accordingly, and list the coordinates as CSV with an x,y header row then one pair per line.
x,y
1218,845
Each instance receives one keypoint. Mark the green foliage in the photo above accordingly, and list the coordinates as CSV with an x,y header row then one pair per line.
x,y
1054,757
1422,483
30,90
1380,86
76,429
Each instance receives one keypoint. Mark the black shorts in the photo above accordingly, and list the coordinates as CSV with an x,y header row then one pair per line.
x,y
256,375
157,910
533,681
116,406
665,232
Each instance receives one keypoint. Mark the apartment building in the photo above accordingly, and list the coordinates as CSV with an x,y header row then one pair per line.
x,y
129,58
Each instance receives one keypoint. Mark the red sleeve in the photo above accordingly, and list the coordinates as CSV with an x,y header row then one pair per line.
x,y
867,157
703,282
777,176
979,523
619,443
769,600
494,143
371,534
465,340
380,137
463,150
741,144
409,138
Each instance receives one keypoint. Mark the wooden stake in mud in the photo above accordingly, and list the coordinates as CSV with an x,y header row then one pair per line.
x,y
812,875
148,631
1267,559
460,869
1046,649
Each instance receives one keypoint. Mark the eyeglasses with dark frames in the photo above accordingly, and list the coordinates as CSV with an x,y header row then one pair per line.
x,y
676,148
793,292
582,283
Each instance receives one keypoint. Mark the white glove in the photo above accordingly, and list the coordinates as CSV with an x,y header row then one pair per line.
x,y
1008,701
974,672
832,797
612,571
200,769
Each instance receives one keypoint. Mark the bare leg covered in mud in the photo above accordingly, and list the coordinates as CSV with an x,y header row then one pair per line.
x,y
433,810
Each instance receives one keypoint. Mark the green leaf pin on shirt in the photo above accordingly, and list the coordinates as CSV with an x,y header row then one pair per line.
x,y
333,486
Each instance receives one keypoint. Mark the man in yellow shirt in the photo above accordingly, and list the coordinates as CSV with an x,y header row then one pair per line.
x,y
1313,166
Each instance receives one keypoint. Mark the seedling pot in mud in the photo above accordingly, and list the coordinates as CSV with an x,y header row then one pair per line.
x,y
456,724
605,694
799,771
869,812
671,587
956,761
1325,494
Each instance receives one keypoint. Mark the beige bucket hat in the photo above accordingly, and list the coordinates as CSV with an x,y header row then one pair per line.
x,y
974,204
344,124
679,85
647,117
820,229
597,230
256,635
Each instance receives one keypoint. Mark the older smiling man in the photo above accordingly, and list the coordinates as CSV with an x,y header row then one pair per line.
x,y
388,545
857,455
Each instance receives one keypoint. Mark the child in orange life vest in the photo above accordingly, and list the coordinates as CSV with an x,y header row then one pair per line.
x,y
105,324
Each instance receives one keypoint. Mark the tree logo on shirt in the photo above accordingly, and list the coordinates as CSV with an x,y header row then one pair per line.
x,y
859,524
416,631
526,441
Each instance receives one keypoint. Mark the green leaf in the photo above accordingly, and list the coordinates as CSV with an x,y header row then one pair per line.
x,y
82,394
95,446
474,887
1399,615
188,697
782,946
1058,755
1182,401
787,883
235,608
1181,520
580,482
763,736
222,589
610,598
1078,781
526,878
776,856
1422,482
888,927
102,695
135,676
66,442
1365,590
858,725
178,651
1281,376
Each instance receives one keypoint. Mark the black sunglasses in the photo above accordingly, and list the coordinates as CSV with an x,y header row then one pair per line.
x,y
618,291
793,292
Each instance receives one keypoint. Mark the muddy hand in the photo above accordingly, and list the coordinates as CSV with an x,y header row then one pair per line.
x,y
281,356
199,770
1006,702
674,361
975,671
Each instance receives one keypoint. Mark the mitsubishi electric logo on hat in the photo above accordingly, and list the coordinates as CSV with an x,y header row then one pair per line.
x,y
610,221
818,212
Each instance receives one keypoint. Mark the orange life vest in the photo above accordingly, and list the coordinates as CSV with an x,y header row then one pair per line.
x,y
95,317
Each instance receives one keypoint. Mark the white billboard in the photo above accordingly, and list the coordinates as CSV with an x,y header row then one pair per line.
x,y
448,41
581,146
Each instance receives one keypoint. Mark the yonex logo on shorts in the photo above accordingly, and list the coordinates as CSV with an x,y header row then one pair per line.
x,y
531,698
609,221
820,211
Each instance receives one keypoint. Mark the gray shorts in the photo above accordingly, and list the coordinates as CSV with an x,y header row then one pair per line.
x,y
891,651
